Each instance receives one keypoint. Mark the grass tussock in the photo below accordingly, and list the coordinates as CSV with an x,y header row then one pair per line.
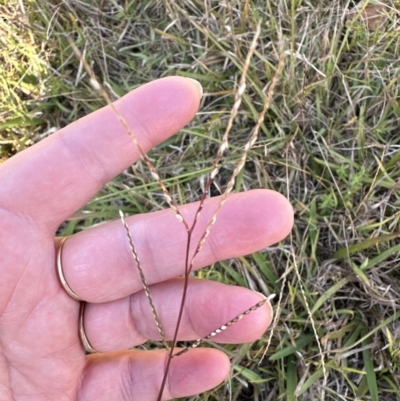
x,y
329,141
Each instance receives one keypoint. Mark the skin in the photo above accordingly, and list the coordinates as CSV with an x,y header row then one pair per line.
x,y
41,356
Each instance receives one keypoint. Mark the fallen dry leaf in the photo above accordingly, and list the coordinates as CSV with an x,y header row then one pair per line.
x,y
373,16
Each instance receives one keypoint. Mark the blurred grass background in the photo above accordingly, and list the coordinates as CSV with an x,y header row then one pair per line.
x,y
330,143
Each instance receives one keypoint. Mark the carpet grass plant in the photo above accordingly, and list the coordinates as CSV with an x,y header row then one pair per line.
x,y
329,142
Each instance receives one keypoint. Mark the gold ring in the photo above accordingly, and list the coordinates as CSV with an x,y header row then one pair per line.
x,y
86,344
60,272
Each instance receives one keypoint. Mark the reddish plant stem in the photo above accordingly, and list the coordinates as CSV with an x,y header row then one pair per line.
x,y
214,171
188,268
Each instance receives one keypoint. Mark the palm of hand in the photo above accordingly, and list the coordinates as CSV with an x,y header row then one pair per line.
x,y
41,356
40,352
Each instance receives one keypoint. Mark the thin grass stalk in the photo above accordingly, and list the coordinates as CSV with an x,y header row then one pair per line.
x,y
324,370
296,269
275,320
284,279
144,282
224,145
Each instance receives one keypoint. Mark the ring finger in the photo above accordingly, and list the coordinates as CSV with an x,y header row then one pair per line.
x,y
128,322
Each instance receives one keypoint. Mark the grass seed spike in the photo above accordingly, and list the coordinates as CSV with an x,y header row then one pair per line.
x,y
189,260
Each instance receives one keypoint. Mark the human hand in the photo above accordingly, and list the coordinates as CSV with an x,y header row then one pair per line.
x,y
41,355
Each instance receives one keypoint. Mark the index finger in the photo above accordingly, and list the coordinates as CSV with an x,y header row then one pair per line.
x,y
55,178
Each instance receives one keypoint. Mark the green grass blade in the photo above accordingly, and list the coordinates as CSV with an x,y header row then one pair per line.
x,y
300,344
368,243
369,368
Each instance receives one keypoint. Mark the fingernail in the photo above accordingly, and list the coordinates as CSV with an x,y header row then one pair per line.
x,y
198,84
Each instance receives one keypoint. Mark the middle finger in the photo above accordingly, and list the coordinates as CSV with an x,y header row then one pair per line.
x,y
99,267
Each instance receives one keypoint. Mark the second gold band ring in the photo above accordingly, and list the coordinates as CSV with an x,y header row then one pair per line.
x,y
85,341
